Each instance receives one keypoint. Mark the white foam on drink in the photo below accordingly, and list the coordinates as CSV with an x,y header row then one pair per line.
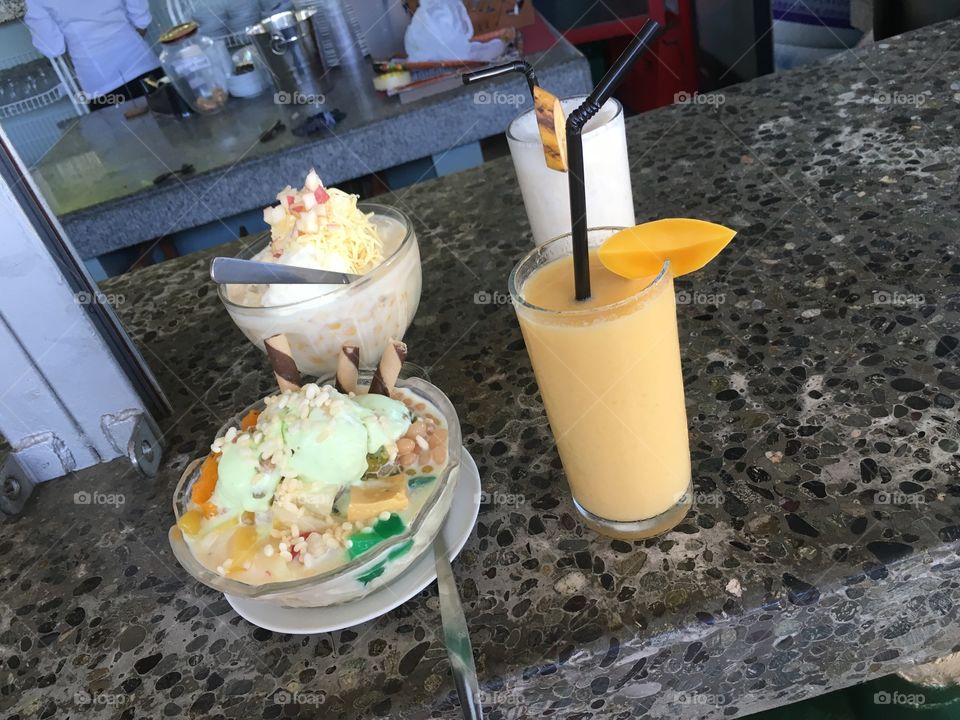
x,y
524,128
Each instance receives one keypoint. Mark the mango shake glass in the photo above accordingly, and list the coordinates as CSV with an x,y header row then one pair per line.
x,y
609,373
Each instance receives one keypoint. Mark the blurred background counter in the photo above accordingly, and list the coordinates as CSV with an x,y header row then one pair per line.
x,y
100,177
134,190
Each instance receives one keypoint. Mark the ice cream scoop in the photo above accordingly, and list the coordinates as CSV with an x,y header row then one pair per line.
x,y
318,436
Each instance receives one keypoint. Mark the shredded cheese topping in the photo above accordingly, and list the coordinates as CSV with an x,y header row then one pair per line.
x,y
326,221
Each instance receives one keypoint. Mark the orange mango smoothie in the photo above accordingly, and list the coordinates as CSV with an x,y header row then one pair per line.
x,y
610,376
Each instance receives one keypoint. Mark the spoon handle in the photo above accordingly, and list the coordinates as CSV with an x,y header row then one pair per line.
x,y
456,635
232,271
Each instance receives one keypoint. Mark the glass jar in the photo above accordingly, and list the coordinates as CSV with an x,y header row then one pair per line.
x,y
194,64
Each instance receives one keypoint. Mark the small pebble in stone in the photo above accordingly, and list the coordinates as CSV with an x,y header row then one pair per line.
x,y
570,583
774,456
734,588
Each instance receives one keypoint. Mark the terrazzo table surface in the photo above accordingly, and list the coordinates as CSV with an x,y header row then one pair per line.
x,y
820,359
99,177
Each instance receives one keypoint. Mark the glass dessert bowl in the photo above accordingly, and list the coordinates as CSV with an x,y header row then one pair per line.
x,y
367,239
317,543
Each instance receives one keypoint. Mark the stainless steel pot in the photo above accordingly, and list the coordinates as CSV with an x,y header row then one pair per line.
x,y
288,46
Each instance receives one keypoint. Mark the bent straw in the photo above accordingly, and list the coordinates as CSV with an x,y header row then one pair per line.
x,y
575,124
548,110
518,66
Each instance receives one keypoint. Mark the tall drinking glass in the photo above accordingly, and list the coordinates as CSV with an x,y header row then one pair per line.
x,y
610,377
606,173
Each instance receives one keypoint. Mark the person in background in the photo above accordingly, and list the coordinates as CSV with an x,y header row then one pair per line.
x,y
104,39
218,18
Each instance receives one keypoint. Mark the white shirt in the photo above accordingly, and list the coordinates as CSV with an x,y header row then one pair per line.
x,y
100,35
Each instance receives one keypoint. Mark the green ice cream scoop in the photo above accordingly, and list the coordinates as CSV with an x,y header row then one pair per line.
x,y
317,435
331,450
241,485
388,422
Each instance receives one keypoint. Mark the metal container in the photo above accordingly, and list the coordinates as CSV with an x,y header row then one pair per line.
x,y
288,46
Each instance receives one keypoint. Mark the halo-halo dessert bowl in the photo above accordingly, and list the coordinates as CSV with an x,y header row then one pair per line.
x,y
325,564
339,234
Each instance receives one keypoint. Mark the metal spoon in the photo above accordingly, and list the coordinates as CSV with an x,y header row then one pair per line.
x,y
456,635
234,271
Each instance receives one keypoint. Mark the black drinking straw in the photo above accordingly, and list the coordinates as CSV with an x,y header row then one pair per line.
x,y
519,66
575,122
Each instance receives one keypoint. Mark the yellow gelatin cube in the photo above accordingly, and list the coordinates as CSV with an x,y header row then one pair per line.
x,y
242,545
190,523
372,497
640,251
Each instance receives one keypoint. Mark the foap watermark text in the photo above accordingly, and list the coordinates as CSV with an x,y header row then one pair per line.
x,y
298,98
98,498
85,698
106,99
90,298
695,297
697,698
299,697
894,97
895,497
898,698
509,703
687,98
898,299
501,498
485,297
496,97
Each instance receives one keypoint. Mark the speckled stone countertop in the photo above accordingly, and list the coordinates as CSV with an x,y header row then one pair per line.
x,y
820,357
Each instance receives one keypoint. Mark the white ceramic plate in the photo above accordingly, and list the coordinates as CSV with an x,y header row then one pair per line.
x,y
307,621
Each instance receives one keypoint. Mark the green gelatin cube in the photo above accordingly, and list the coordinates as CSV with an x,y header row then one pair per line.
x,y
373,573
420,481
388,528
377,570
361,542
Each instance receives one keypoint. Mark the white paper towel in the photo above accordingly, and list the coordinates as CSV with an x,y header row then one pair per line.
x,y
441,30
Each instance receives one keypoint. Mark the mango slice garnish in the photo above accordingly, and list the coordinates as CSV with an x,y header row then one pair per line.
x,y
204,486
641,250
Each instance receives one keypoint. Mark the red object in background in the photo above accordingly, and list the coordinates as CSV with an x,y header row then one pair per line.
x,y
669,68
538,36
490,15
